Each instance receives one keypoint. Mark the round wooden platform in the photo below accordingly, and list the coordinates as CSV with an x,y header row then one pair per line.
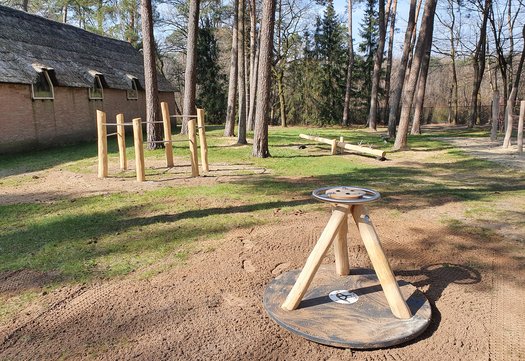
x,y
360,318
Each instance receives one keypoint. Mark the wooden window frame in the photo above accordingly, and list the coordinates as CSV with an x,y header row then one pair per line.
x,y
134,87
49,82
90,90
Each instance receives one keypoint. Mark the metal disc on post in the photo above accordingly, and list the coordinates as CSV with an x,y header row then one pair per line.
x,y
324,304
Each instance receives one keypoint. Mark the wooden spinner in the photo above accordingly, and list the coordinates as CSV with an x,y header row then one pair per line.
x,y
364,310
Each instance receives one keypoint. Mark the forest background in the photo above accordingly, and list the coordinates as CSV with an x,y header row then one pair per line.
x,y
311,53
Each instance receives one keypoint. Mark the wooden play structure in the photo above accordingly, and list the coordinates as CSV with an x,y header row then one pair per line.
x,y
139,142
342,146
347,309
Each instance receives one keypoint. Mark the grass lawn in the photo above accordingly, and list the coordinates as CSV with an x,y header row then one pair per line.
x,y
85,237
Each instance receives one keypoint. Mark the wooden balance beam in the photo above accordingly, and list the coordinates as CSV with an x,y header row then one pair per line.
x,y
379,154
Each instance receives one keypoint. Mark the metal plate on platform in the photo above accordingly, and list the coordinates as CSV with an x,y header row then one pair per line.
x,y
365,323
346,195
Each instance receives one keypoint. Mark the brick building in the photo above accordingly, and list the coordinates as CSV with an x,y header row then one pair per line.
x,y
54,76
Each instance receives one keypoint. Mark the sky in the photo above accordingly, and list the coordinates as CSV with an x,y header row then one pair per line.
x,y
403,7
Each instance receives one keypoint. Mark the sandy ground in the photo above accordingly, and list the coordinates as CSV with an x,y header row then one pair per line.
x,y
483,148
211,307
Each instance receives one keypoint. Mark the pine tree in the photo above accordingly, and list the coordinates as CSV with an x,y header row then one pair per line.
x,y
211,92
369,32
330,50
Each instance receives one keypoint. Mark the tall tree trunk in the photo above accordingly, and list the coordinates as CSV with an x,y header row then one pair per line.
x,y
241,84
229,128
190,77
246,70
478,65
253,67
388,70
348,87
498,44
455,87
100,16
400,76
253,91
131,24
421,87
64,13
282,100
278,68
510,37
378,61
513,94
260,138
425,36
453,92
411,54
153,130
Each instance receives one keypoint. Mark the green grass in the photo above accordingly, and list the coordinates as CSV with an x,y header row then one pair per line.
x,y
149,231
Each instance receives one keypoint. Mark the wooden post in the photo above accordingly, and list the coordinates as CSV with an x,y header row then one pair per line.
x,y
380,263
139,150
102,145
167,134
508,131
342,266
520,127
121,140
192,137
202,139
333,150
495,115
315,258
341,140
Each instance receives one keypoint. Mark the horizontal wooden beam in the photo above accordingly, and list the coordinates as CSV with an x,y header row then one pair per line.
x,y
346,146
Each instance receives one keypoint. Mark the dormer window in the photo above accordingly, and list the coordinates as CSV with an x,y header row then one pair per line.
x,y
133,93
96,92
42,88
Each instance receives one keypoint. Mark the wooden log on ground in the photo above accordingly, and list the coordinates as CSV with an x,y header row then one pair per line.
x,y
520,127
202,139
139,150
380,154
102,145
168,147
121,140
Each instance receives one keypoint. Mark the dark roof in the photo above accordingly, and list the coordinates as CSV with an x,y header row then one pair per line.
x,y
29,42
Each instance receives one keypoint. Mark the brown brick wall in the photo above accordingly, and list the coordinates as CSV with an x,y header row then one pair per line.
x,y
16,115
69,118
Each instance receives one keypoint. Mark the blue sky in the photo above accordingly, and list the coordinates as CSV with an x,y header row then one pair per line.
x,y
401,19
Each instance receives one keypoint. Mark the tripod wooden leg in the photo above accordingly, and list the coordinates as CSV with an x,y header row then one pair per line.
x,y
380,263
342,266
313,262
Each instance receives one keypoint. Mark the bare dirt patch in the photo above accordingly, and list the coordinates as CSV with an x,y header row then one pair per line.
x,y
211,307
58,183
485,149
